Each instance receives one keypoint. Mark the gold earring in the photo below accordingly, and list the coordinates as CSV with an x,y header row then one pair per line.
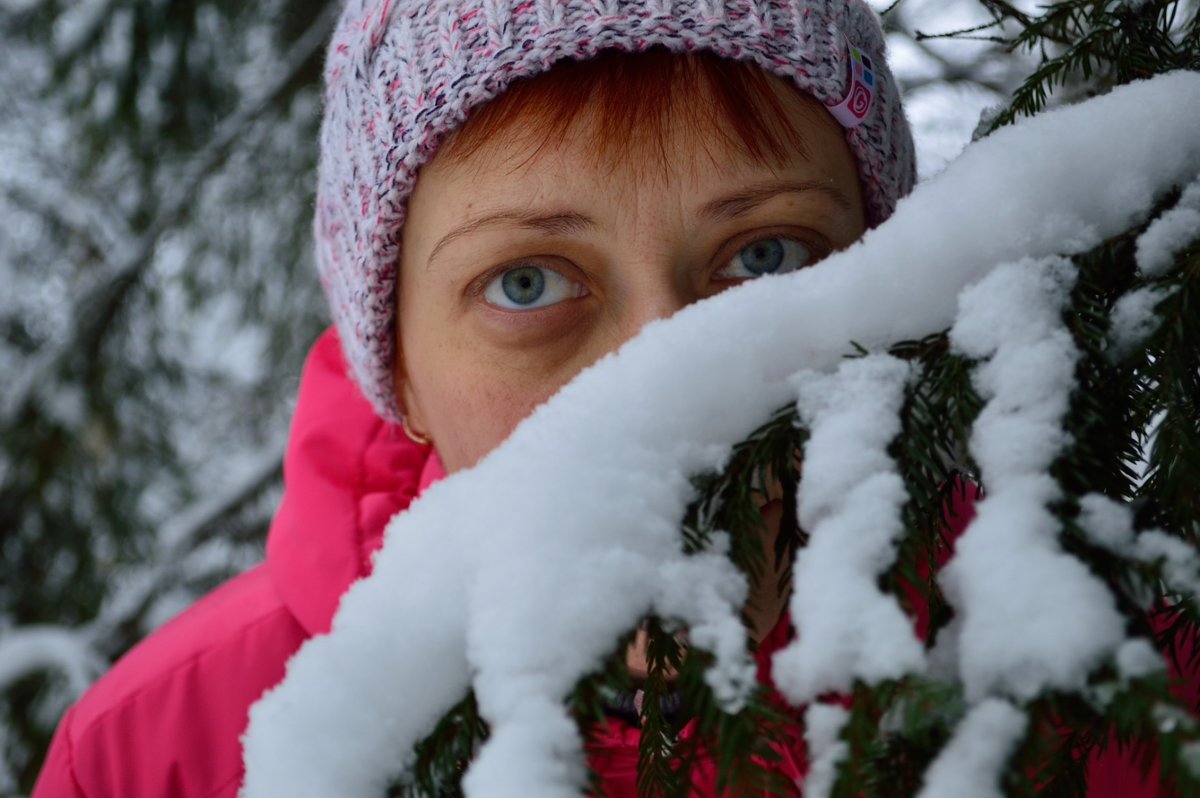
x,y
415,437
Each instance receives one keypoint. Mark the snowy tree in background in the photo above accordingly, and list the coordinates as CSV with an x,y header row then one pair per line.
x,y
156,163
155,179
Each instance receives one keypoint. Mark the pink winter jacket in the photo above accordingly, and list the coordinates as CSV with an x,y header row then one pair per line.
x,y
165,722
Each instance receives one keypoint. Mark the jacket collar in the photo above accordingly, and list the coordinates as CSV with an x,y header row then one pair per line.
x,y
346,473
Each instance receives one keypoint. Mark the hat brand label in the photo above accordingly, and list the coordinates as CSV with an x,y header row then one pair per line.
x,y
853,110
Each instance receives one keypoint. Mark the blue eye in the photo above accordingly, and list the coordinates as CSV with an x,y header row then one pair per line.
x,y
766,256
529,288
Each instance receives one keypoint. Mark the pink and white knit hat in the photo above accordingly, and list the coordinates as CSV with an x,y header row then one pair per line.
x,y
401,74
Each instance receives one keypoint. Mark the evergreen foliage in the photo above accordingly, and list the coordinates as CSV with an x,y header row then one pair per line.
x,y
1094,45
1134,428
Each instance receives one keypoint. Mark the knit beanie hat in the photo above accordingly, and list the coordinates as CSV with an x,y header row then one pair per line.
x,y
401,74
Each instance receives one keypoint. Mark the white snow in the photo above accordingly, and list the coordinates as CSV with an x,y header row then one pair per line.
x,y
519,575
944,119
1138,658
1033,617
178,552
1110,524
1181,565
1107,522
822,726
1171,718
1190,756
134,258
1134,318
849,500
28,649
707,595
1170,233
971,762
81,22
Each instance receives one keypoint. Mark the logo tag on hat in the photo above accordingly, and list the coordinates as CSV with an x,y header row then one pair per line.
x,y
853,110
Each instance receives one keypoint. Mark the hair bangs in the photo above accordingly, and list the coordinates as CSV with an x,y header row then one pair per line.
x,y
632,104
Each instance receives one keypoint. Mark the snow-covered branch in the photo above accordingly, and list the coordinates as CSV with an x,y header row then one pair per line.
x,y
30,649
1009,571
87,218
849,501
80,26
980,745
521,601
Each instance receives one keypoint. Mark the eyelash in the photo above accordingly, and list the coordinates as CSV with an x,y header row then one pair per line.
x,y
814,243
478,287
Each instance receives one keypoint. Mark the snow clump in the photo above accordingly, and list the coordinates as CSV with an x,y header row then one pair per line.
x,y
823,725
1170,233
972,761
1134,318
849,499
1033,617
1110,524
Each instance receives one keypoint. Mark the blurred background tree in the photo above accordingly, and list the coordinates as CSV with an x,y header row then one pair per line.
x,y
156,178
156,162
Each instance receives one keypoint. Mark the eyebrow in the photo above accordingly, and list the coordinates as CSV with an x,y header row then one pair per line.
x,y
734,205
571,222
562,223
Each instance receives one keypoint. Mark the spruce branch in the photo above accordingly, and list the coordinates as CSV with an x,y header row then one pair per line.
x,y
441,758
1094,45
658,773
893,732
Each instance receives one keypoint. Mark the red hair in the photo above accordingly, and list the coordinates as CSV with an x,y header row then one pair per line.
x,y
631,101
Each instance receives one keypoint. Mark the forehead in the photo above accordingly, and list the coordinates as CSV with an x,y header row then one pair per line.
x,y
623,136
682,165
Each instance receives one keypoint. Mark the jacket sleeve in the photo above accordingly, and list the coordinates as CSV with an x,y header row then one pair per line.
x,y
57,777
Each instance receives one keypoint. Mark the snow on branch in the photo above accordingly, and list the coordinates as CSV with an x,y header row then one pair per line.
x,y
823,723
522,598
80,26
88,218
1110,524
1009,571
849,501
29,649
1170,233
981,744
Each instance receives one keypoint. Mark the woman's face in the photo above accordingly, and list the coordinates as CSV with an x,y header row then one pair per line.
x,y
523,265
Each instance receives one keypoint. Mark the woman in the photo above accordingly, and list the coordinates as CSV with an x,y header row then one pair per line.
x,y
507,192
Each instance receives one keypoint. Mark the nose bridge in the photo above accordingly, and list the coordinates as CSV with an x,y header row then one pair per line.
x,y
659,291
